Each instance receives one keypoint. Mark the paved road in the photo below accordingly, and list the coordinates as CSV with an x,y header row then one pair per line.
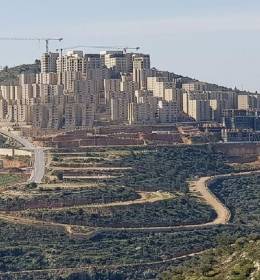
x,y
39,159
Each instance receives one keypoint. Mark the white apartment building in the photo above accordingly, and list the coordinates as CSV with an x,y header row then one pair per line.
x,y
73,61
162,88
49,62
199,110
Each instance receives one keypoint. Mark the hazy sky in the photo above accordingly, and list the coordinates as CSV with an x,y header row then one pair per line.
x,y
212,40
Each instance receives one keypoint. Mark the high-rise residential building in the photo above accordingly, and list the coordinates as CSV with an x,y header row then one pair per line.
x,y
47,78
199,110
73,61
49,62
40,115
92,61
141,61
246,102
111,86
55,116
145,110
195,86
162,88
128,85
119,107
141,70
115,60
68,78
78,115
11,92
3,109
27,78
167,111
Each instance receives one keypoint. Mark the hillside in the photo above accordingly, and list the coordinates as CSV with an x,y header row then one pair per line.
x,y
239,261
9,75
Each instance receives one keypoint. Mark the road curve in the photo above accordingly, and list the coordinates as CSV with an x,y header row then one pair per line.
x,y
39,159
199,188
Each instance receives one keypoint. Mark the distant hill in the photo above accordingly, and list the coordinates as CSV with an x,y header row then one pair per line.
x,y
239,261
9,75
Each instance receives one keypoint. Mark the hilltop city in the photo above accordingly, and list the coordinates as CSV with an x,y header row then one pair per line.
x,y
77,90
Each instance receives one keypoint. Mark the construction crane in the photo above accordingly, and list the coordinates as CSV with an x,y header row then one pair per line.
x,y
33,39
101,47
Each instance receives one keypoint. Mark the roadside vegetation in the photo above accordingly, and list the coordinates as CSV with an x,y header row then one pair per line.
x,y
174,212
32,196
242,196
9,179
239,261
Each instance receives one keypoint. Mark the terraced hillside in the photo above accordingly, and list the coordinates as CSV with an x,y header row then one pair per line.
x,y
240,261
118,213
133,170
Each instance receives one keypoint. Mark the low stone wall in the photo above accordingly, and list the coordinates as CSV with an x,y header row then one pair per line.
x,y
9,152
238,149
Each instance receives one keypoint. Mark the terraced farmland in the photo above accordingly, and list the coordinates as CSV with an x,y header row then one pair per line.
x,y
133,211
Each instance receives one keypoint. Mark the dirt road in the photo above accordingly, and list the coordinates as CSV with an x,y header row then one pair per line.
x,y
198,188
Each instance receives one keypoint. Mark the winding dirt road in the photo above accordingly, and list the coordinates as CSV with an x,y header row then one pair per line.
x,y
199,188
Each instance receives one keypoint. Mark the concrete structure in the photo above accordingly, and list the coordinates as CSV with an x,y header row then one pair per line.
x,y
167,111
119,107
199,110
77,90
49,62
195,87
246,102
